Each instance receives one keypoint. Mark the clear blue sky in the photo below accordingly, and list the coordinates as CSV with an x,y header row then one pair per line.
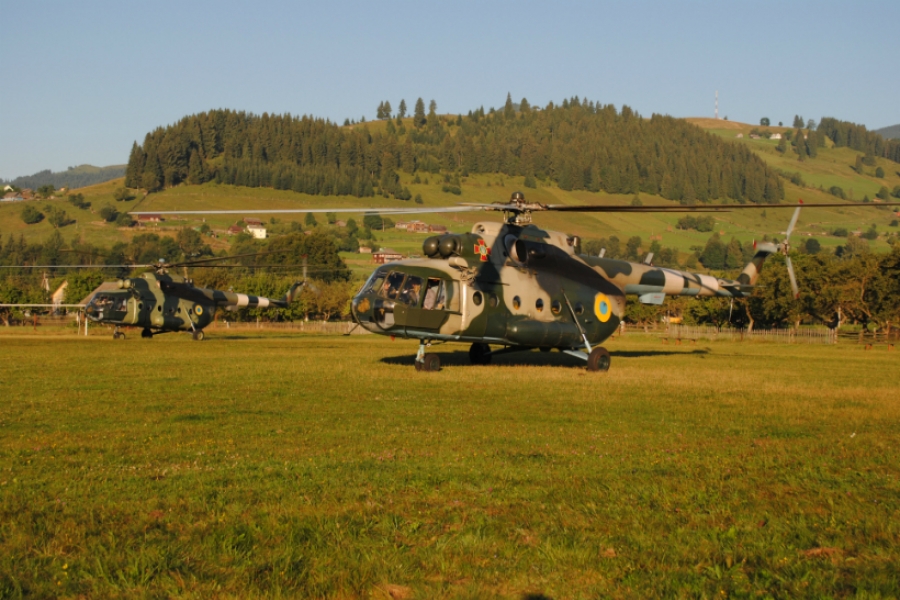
x,y
82,80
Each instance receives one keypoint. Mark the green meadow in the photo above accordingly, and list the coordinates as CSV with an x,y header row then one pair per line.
x,y
284,465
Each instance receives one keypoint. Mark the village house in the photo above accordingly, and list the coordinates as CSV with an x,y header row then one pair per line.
x,y
257,231
12,197
401,225
386,255
775,136
437,229
365,250
252,221
149,218
235,229
340,223
740,135
417,227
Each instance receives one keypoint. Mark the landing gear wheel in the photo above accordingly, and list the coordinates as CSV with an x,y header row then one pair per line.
x,y
598,360
146,333
430,363
118,336
198,335
480,354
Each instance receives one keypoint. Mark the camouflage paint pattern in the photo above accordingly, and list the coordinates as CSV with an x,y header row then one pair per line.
x,y
163,302
514,284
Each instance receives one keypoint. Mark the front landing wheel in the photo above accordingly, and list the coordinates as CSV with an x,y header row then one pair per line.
x,y
430,362
598,360
118,335
198,335
480,354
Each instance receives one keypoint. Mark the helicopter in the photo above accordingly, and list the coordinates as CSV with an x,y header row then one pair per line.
x,y
521,287
159,302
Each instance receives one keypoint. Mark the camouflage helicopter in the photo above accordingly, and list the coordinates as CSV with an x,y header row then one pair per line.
x,y
521,287
160,302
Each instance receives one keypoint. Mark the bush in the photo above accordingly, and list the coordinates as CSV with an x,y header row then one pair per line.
x,y
78,201
839,232
109,214
530,181
871,234
879,172
451,189
702,224
124,220
883,193
31,215
837,192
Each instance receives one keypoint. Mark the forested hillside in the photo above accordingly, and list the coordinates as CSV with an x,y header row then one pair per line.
x,y
73,177
578,145
851,135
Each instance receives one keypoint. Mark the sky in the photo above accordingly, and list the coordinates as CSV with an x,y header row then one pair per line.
x,y
82,80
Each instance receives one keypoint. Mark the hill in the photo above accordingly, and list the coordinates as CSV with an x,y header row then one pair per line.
x,y
73,177
890,133
813,179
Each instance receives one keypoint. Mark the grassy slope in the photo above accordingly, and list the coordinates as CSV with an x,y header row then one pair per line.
x,y
309,466
832,167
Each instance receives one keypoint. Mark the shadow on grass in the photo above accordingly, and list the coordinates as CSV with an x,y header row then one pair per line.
x,y
529,358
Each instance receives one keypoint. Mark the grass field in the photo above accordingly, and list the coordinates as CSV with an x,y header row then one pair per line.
x,y
316,466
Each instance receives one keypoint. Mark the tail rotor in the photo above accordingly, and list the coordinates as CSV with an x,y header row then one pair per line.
x,y
785,248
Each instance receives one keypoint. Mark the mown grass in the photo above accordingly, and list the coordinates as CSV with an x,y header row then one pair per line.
x,y
313,466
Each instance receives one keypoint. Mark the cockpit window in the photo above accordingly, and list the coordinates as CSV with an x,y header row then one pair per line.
x,y
411,289
102,302
375,282
435,295
392,285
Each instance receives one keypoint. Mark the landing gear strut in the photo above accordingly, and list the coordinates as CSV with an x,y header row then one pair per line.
x,y
426,362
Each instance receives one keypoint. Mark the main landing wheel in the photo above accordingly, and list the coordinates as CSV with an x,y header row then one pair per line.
x,y
198,335
430,362
480,354
598,360
146,333
118,335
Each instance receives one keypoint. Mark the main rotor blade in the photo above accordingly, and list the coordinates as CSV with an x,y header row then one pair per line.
x,y
71,266
790,268
704,207
217,258
517,208
280,211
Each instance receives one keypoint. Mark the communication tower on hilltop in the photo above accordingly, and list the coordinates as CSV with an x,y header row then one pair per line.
x,y
717,105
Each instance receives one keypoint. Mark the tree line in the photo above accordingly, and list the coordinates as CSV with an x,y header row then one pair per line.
x,y
850,135
578,145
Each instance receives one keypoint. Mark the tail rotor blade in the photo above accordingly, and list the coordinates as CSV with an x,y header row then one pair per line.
x,y
790,268
793,222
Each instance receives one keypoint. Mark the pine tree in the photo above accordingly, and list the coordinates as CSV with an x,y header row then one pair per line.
x,y
401,110
509,110
798,122
379,112
387,109
419,114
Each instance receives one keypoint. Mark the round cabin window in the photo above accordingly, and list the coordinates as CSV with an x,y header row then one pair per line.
x,y
555,307
517,303
477,298
579,309
539,304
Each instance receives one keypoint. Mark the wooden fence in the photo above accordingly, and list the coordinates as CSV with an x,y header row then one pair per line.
x,y
712,333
